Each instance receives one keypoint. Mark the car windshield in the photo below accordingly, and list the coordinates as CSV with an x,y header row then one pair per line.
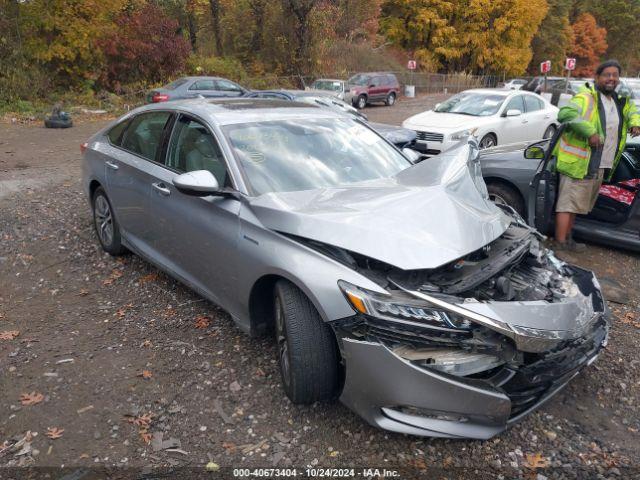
x,y
360,79
475,104
295,155
175,84
330,85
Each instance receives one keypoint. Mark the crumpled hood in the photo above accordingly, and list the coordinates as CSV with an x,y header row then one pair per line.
x,y
442,120
427,215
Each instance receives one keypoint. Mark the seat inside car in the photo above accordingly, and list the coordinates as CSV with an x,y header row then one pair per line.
x,y
198,152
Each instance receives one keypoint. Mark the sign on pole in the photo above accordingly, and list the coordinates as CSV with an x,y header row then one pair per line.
x,y
545,67
570,64
411,64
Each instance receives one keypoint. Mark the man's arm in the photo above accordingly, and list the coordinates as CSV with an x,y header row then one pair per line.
x,y
571,114
633,119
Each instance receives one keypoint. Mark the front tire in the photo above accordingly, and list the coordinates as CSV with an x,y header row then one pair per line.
x,y
361,102
391,99
307,350
105,224
488,141
506,195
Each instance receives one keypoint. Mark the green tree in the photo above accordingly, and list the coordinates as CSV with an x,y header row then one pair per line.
x,y
553,40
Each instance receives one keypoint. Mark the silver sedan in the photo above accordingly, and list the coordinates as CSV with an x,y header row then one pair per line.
x,y
400,289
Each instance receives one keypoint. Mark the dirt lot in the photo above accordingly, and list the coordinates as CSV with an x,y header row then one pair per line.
x,y
117,355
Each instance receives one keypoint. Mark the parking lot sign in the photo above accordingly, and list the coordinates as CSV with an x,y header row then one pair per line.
x,y
570,64
545,67
411,64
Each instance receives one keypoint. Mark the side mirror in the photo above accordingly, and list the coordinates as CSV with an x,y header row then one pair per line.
x,y
411,154
534,153
514,112
199,183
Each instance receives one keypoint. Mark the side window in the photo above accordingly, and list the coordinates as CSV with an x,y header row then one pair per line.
x,y
227,86
116,132
515,103
533,104
392,80
144,134
376,81
192,148
203,85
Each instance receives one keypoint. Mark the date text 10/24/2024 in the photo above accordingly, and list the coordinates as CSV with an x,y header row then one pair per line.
x,y
316,472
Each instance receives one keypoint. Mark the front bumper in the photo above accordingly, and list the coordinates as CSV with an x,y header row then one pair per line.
x,y
395,394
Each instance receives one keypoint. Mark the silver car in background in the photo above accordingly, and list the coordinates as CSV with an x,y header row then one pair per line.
x,y
400,289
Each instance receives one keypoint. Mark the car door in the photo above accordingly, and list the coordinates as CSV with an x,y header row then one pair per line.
x,y
195,237
544,190
128,174
511,127
538,117
377,88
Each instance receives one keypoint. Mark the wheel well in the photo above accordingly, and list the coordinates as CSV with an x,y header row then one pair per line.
x,y
93,186
505,183
493,134
261,305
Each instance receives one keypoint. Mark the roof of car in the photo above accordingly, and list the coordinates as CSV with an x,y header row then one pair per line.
x,y
328,80
297,93
243,110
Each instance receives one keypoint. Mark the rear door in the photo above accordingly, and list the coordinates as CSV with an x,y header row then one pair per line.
x,y
538,118
544,188
128,174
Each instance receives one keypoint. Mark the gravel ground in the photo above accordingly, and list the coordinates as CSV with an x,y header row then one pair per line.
x,y
140,372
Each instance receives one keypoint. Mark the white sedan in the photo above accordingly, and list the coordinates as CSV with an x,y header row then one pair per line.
x,y
495,117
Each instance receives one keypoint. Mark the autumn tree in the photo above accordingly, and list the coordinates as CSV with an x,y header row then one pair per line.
x,y
62,34
588,45
621,18
146,46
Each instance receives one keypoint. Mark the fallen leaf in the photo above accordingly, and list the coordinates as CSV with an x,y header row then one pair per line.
x,y
535,461
334,453
212,467
84,455
9,334
142,420
260,372
145,435
147,343
151,277
84,409
31,398
83,292
202,322
146,374
229,447
447,462
54,432
115,274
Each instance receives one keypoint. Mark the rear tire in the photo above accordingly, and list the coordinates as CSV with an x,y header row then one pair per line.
x,y
503,194
105,224
307,350
391,99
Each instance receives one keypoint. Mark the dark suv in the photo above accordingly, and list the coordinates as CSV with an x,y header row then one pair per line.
x,y
371,87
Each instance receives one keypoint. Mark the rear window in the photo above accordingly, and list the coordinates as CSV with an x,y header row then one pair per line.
x,y
392,80
115,134
175,84
144,134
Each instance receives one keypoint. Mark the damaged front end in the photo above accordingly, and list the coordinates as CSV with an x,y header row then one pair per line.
x,y
465,349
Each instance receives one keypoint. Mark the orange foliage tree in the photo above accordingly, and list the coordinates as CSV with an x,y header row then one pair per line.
x,y
588,45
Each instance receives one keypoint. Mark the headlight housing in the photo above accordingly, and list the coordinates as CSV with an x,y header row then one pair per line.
x,y
401,307
462,135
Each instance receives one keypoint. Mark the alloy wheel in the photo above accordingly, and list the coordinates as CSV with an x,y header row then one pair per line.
x,y
104,220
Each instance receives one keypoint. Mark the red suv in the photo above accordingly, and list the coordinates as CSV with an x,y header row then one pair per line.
x,y
371,87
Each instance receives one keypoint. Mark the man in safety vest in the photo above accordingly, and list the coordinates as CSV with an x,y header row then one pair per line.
x,y
590,148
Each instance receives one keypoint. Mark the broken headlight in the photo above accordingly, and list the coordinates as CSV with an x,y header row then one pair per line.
x,y
401,307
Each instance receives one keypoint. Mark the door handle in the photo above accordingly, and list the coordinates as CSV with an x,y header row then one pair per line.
x,y
161,188
112,165
548,115
525,121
